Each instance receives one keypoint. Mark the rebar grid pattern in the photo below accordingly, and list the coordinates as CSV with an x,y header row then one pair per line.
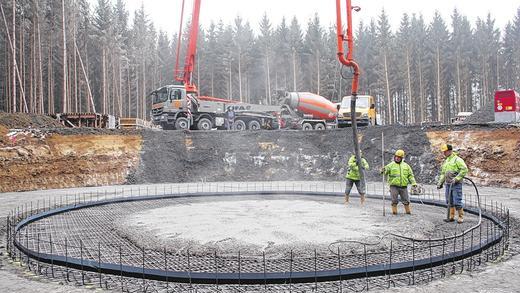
x,y
75,235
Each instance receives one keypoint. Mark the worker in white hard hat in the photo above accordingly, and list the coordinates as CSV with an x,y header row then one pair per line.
x,y
399,175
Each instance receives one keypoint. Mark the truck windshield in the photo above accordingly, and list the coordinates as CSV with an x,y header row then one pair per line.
x,y
160,96
361,102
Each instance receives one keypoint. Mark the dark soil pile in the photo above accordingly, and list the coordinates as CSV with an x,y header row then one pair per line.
x,y
23,120
485,115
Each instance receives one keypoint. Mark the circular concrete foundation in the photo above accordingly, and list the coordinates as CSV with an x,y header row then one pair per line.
x,y
276,224
250,237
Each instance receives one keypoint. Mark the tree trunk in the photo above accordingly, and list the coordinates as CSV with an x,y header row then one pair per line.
x,y
411,116
459,91
65,108
318,72
268,83
104,86
439,94
13,42
137,100
21,62
85,75
240,74
294,69
421,93
389,97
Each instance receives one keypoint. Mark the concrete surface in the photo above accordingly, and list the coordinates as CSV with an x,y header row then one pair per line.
x,y
494,277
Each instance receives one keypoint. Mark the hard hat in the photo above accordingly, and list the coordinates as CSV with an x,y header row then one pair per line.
x,y
399,153
446,147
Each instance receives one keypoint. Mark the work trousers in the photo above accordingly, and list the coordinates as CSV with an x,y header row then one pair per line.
x,y
396,191
350,184
454,195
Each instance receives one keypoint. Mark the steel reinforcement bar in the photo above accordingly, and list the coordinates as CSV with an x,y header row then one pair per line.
x,y
255,278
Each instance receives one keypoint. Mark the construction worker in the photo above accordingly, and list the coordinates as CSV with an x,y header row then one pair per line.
x,y
453,170
399,175
230,118
353,177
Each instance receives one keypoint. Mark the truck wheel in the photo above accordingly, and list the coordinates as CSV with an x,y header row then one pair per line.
x,y
306,126
204,124
320,126
182,123
254,125
239,125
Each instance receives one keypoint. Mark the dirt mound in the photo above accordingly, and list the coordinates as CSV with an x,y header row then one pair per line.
x,y
23,120
485,115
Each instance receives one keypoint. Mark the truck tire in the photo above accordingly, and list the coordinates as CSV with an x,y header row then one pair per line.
x,y
307,126
205,124
254,125
182,123
239,125
320,126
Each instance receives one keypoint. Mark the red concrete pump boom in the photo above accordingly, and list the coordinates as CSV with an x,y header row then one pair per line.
x,y
186,75
349,62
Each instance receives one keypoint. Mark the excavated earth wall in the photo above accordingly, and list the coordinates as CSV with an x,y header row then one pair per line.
x,y
62,158
46,159
491,151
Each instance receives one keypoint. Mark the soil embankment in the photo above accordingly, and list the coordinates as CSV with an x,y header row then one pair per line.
x,y
37,159
42,158
491,152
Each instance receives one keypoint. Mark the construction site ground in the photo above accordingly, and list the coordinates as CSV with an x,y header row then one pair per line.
x,y
41,159
492,277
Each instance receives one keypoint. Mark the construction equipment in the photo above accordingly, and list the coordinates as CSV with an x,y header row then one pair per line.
x,y
305,111
180,106
507,106
348,61
365,111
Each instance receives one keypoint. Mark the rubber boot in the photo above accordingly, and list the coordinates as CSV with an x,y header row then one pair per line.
x,y
363,198
408,209
460,220
394,209
347,198
452,215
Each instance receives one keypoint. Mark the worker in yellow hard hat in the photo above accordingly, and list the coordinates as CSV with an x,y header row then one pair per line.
x,y
399,175
453,171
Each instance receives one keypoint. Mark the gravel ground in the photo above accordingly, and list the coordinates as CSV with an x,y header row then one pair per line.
x,y
494,277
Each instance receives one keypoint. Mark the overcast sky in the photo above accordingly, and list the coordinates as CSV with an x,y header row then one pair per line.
x,y
165,13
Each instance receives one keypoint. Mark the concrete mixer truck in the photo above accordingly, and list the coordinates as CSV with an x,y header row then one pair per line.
x,y
175,108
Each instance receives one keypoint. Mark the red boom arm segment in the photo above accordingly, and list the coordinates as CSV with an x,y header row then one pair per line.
x,y
348,61
189,64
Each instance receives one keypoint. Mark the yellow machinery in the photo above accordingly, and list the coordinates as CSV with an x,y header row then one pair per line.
x,y
365,111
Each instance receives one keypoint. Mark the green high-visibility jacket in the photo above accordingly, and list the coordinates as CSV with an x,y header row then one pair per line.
x,y
400,175
454,164
353,169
